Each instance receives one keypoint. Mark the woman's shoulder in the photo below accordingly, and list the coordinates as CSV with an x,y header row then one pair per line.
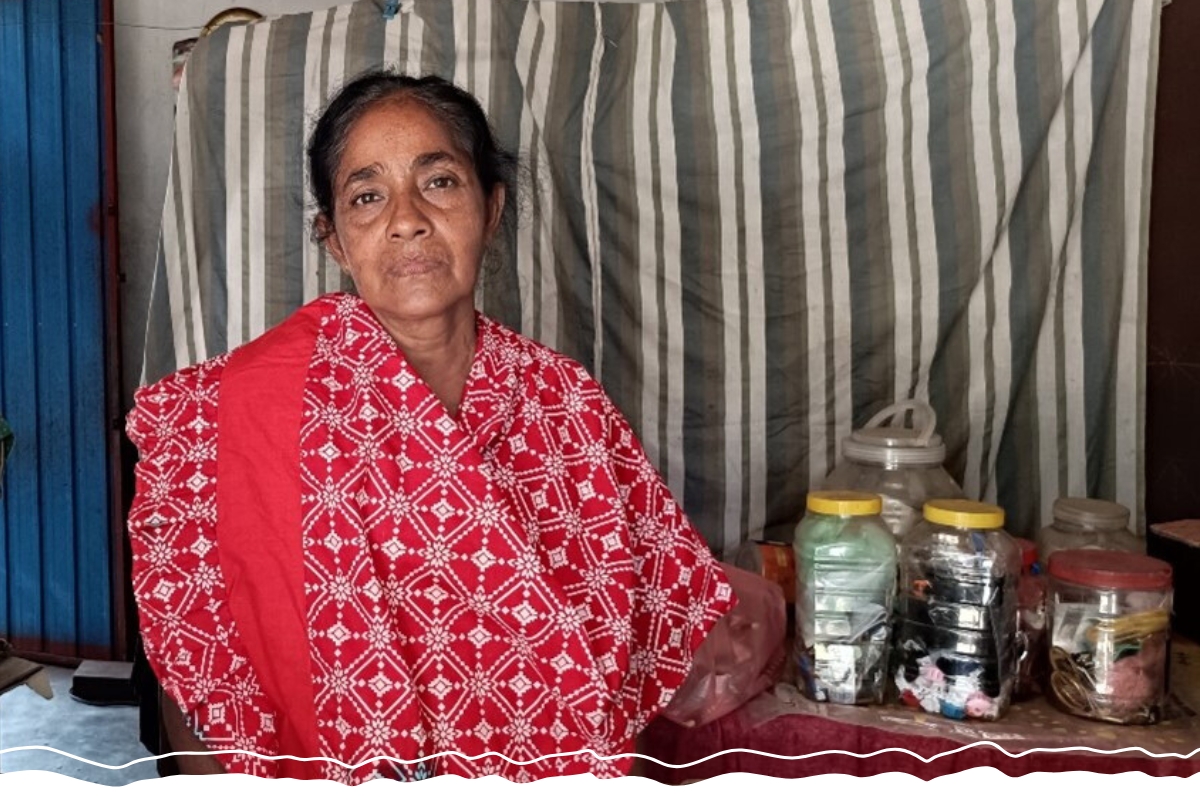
x,y
531,356
196,379
186,397
200,380
191,392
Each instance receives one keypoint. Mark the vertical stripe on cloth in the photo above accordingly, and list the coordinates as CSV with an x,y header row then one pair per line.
x,y
1141,85
336,63
288,233
785,347
980,45
702,346
670,254
895,75
726,149
235,256
617,186
647,264
927,283
835,240
1007,143
314,256
1071,356
255,181
188,293
587,190
1102,244
750,238
868,279
822,434
536,53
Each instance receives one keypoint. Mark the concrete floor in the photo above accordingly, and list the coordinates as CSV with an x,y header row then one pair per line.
x,y
107,735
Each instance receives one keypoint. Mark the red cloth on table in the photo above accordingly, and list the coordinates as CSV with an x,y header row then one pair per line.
x,y
801,734
329,564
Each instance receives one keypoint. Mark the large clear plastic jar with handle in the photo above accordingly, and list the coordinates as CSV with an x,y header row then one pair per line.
x,y
845,588
1110,618
1082,523
903,465
956,648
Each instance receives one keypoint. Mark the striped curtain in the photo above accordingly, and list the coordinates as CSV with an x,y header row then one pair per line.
x,y
757,222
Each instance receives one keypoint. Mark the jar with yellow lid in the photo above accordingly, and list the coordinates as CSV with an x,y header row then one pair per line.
x,y
845,587
957,649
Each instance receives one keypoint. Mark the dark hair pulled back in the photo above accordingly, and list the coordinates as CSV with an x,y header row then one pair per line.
x,y
457,109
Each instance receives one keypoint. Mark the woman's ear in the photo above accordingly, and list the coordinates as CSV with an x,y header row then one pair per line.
x,y
327,235
495,209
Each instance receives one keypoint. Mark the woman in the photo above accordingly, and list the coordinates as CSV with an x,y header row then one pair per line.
x,y
391,527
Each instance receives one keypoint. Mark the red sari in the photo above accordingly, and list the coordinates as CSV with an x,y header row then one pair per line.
x,y
328,565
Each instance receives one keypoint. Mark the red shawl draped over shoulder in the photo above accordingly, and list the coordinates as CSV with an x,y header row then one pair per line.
x,y
328,565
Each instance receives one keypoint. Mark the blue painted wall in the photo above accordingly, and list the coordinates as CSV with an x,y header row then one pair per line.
x,y
55,579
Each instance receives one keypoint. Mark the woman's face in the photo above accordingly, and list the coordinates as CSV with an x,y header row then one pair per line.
x,y
410,219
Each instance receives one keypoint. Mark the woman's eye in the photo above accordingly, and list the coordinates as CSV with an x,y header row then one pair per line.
x,y
442,182
363,198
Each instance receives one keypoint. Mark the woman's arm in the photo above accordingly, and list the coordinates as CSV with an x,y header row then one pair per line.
x,y
181,738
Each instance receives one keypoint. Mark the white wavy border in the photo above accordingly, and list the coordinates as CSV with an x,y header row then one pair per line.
x,y
601,757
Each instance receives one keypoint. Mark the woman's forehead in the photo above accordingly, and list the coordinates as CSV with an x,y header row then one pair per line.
x,y
404,124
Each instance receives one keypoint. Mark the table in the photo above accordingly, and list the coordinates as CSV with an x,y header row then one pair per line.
x,y
784,723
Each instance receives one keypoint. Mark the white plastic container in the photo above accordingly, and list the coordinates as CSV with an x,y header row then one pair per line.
x,y
1082,523
902,465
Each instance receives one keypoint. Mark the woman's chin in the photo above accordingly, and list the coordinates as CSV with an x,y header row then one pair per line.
x,y
414,306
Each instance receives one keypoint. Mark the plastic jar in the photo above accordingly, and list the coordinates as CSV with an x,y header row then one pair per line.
x,y
1032,600
902,465
1110,625
845,587
775,561
1083,523
956,644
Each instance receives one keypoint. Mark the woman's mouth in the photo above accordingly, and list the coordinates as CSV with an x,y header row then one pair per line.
x,y
413,265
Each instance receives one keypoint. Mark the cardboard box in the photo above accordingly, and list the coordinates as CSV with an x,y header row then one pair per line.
x,y
16,671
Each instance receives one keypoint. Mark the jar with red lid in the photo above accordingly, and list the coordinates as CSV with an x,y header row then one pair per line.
x,y
1110,626
1032,591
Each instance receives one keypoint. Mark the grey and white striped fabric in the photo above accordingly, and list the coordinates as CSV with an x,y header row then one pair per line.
x,y
757,222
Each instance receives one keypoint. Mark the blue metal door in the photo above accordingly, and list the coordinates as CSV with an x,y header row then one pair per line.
x,y
55,575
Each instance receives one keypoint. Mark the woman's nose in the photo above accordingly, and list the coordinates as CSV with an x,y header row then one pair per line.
x,y
408,219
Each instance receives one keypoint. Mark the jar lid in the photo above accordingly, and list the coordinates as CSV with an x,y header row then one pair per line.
x,y
1090,513
844,504
901,446
1029,553
964,514
1110,569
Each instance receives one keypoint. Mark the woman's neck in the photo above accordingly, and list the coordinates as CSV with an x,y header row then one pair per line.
x,y
440,349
